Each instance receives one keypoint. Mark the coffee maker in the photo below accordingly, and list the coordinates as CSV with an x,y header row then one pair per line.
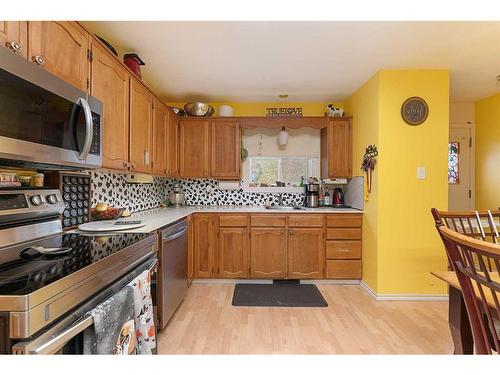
x,y
312,195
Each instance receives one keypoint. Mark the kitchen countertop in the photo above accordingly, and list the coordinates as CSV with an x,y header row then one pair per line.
x,y
159,217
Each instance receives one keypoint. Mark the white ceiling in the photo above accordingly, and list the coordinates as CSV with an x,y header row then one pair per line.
x,y
310,61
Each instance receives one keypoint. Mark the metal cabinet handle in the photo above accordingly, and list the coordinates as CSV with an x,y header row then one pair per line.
x,y
126,163
343,250
14,46
290,232
133,165
39,59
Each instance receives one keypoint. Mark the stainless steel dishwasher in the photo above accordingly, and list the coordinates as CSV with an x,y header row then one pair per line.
x,y
172,282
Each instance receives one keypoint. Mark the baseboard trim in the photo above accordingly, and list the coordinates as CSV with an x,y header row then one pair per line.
x,y
230,281
403,297
264,281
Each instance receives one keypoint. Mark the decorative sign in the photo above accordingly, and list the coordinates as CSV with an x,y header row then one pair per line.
x,y
414,110
280,112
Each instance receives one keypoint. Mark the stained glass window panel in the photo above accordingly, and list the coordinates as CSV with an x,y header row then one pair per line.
x,y
453,160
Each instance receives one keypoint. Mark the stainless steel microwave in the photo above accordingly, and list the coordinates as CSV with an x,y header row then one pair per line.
x,y
45,122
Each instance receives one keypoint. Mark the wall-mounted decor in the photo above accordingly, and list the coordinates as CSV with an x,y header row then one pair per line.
x,y
279,112
368,164
414,111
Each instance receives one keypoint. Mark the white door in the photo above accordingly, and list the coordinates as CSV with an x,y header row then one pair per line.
x,y
460,184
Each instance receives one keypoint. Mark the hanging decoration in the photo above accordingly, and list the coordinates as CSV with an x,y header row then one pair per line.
x,y
368,164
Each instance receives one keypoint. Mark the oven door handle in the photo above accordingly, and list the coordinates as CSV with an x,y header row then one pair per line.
x,y
57,342
89,131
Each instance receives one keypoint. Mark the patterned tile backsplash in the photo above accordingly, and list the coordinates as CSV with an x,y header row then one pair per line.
x,y
112,188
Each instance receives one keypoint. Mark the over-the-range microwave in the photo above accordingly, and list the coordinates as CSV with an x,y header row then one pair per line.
x,y
45,122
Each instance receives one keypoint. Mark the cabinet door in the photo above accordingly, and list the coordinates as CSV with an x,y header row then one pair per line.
x,y
194,140
141,116
339,148
14,36
203,245
110,84
226,146
173,145
160,125
268,253
61,47
306,253
233,253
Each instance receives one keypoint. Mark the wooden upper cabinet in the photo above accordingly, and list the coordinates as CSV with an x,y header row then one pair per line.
x,y
194,141
172,145
61,47
110,84
234,256
336,149
306,253
268,253
226,149
141,118
160,129
203,249
14,36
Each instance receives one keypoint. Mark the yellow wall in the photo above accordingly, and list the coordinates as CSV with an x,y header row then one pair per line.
x,y
488,153
409,247
363,104
259,109
400,244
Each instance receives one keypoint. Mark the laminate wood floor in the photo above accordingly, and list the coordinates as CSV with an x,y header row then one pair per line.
x,y
353,323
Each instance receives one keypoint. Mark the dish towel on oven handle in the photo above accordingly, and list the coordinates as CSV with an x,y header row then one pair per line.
x,y
113,331
144,317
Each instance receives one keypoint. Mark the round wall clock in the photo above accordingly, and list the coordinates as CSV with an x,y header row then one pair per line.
x,y
414,110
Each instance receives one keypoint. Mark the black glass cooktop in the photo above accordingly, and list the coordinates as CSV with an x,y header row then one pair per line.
x,y
27,267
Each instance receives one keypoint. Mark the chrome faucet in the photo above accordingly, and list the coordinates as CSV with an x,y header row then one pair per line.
x,y
280,199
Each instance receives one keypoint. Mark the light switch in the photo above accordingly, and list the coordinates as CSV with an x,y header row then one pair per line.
x,y
420,173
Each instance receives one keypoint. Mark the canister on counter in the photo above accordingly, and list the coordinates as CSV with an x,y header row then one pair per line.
x,y
38,180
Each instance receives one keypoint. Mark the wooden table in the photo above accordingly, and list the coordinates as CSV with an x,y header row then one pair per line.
x,y
458,319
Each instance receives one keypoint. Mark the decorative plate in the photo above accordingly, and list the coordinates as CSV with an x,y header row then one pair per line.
x,y
414,111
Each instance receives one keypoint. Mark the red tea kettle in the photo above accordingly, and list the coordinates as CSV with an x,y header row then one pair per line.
x,y
338,197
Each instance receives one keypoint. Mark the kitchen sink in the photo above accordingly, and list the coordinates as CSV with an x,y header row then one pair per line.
x,y
284,208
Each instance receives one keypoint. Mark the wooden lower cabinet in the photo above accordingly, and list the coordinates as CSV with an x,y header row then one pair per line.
x,y
268,253
343,269
233,253
237,245
203,246
306,253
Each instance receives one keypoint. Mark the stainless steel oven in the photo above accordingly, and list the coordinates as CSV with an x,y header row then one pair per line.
x,y
66,336
44,121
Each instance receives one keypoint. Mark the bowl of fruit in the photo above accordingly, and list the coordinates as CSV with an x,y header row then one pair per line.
x,y
104,212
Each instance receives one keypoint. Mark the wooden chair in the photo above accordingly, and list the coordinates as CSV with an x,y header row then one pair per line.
x,y
483,225
480,286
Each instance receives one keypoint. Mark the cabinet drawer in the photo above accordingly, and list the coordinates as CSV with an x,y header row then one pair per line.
x,y
267,220
343,269
233,221
343,221
343,233
305,220
343,249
